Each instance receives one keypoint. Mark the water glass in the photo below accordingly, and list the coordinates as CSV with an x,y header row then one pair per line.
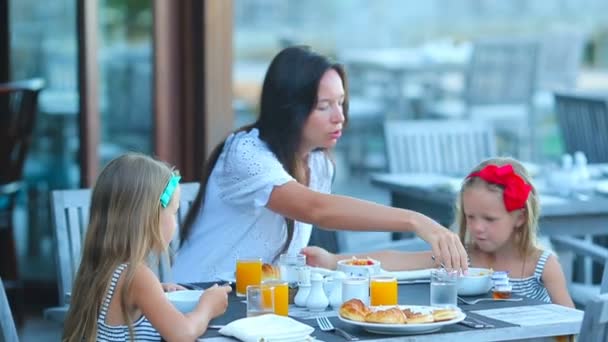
x,y
355,287
383,290
288,264
444,287
248,272
281,296
260,300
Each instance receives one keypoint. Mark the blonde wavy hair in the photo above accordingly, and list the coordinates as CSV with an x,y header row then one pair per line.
x,y
526,236
124,227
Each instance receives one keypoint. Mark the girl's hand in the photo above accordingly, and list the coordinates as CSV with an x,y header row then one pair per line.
x,y
446,245
170,287
215,300
319,257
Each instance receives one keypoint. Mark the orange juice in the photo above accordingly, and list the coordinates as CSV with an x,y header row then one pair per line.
x,y
248,272
383,290
281,296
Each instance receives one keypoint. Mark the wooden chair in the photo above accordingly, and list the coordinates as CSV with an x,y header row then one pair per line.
x,y
18,109
583,122
8,331
567,247
438,146
595,321
70,212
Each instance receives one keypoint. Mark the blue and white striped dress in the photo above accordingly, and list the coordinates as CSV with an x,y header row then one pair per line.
x,y
533,287
142,329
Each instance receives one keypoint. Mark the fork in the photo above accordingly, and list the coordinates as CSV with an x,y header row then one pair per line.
x,y
325,325
472,302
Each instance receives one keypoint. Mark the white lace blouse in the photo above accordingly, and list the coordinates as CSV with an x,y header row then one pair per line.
x,y
234,221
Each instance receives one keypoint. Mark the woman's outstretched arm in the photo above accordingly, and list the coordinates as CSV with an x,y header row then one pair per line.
x,y
300,203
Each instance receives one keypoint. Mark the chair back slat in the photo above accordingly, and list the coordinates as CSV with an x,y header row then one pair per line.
x,y
595,320
583,122
8,331
437,146
70,210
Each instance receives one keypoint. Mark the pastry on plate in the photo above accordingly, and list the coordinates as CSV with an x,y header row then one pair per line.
x,y
270,272
440,315
388,316
354,309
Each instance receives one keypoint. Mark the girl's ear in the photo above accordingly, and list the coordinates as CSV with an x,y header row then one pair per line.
x,y
522,218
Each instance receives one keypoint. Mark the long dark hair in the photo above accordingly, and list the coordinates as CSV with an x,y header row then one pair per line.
x,y
289,95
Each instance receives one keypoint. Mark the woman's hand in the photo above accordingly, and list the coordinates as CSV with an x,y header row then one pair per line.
x,y
447,248
319,257
215,300
170,287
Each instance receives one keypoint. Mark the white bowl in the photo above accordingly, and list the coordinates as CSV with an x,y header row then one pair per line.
x,y
477,281
185,300
359,270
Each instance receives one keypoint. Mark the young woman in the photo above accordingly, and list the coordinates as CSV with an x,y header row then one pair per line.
x,y
268,183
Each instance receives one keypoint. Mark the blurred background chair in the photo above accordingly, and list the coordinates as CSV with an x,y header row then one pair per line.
x,y
568,247
8,331
438,146
595,321
18,110
70,212
583,122
499,85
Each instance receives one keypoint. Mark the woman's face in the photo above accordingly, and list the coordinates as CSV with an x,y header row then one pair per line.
x,y
323,127
168,217
490,226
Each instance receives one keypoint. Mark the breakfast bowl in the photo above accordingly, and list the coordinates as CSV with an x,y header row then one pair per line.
x,y
185,300
359,267
476,281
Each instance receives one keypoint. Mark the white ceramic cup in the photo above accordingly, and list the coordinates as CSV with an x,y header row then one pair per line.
x,y
355,287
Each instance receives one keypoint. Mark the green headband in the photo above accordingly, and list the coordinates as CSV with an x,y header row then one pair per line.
x,y
169,189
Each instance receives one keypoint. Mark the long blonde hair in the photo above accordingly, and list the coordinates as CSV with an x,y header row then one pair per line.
x,y
526,236
124,227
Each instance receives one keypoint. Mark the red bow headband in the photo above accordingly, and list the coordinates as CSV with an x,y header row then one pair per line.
x,y
516,190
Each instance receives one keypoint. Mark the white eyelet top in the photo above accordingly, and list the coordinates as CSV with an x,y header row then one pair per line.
x,y
234,221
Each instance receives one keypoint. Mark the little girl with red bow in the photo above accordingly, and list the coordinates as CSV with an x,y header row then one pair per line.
x,y
497,212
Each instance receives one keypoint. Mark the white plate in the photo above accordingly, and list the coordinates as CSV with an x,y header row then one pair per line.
x,y
406,329
184,300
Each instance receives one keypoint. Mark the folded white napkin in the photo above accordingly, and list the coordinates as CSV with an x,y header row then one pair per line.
x,y
268,328
410,275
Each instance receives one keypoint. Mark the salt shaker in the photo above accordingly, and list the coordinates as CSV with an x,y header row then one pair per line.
x,y
302,295
317,300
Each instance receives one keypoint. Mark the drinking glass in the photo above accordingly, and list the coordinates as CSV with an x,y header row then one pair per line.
x,y
281,295
288,264
260,300
444,287
248,272
383,290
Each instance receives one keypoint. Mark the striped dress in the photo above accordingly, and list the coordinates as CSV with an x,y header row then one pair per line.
x,y
142,329
532,287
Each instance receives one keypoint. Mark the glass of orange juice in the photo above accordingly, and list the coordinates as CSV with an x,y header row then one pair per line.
x,y
281,295
248,272
383,290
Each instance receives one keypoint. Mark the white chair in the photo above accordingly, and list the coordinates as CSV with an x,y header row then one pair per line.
x,y
70,211
595,321
498,87
438,146
8,331
567,247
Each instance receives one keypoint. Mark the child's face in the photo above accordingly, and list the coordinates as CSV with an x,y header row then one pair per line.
x,y
490,226
168,217
323,127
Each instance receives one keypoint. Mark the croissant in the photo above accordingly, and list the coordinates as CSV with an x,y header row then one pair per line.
x,y
389,316
270,272
354,309
444,315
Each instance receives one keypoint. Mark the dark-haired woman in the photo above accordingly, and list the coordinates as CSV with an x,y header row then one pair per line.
x,y
268,183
